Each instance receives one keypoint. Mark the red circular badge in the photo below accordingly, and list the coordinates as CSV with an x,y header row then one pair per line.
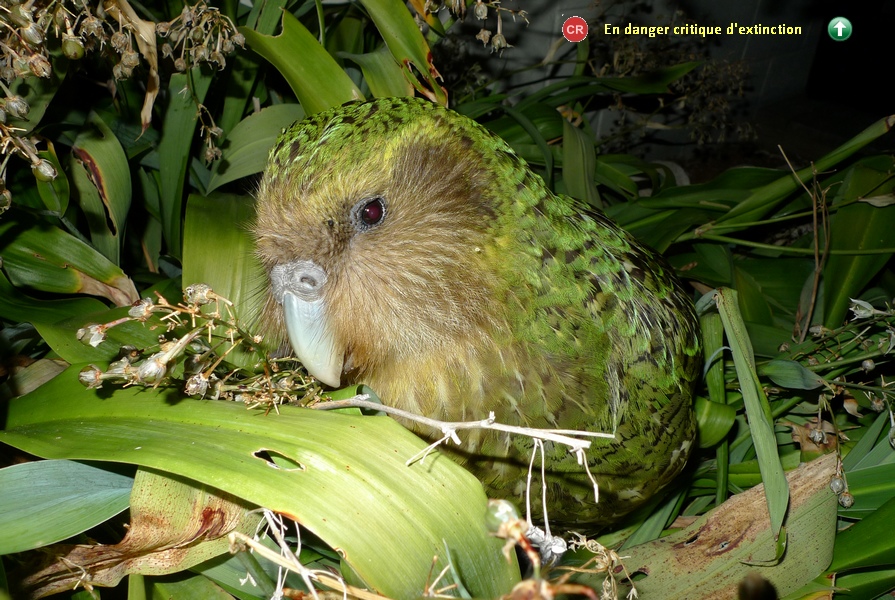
x,y
574,29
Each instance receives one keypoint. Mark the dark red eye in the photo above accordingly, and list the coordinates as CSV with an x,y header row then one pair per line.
x,y
372,212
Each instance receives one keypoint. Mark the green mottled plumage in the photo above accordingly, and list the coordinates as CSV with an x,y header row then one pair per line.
x,y
482,291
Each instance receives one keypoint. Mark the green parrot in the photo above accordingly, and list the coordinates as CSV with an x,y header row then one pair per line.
x,y
410,249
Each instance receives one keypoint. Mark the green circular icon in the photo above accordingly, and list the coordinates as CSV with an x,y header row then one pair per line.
x,y
839,29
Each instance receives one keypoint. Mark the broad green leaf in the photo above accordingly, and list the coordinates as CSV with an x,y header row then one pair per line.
x,y
752,303
578,165
349,475
860,546
615,176
716,263
856,227
223,257
102,177
715,421
47,258
55,193
247,147
185,92
151,241
18,307
50,500
58,321
876,583
316,78
243,74
792,375
408,46
860,455
194,588
871,487
760,421
382,73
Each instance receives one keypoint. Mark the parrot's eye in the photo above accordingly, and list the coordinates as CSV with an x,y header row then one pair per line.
x,y
368,213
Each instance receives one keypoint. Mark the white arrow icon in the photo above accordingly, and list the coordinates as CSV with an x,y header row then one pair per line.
x,y
839,26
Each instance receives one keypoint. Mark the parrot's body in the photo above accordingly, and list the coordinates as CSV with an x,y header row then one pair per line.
x,y
412,250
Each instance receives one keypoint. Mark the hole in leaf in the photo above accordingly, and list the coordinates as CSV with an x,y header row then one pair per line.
x,y
277,460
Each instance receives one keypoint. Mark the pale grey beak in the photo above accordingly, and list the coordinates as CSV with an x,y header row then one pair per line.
x,y
298,286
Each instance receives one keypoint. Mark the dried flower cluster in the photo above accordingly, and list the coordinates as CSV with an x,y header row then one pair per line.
x,y
192,351
482,10
200,34
705,101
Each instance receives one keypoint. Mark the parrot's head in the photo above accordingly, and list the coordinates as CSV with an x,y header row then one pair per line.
x,y
376,222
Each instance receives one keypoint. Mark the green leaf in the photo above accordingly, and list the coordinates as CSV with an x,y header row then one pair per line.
x,y
792,375
856,227
870,584
382,73
715,421
759,412
871,487
102,177
47,258
579,163
47,501
752,303
316,78
194,588
246,149
185,92
860,546
350,474
223,256
55,193
408,46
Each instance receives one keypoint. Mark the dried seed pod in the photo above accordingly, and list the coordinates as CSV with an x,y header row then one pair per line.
x,y
196,385
17,107
91,377
837,484
846,500
141,309
130,59
44,170
498,43
40,65
119,42
91,26
32,34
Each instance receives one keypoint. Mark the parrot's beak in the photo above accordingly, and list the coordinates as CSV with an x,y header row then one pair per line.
x,y
299,286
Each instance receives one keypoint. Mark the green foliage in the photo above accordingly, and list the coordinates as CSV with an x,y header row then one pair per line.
x,y
107,200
